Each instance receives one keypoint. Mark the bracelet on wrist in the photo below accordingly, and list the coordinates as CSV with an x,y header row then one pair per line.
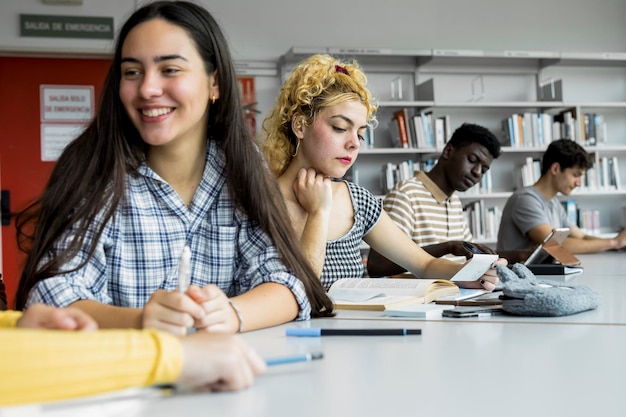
x,y
238,314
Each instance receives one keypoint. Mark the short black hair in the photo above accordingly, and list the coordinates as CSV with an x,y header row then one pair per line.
x,y
567,154
469,133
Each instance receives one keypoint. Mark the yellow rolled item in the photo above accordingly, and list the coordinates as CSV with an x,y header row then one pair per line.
x,y
49,365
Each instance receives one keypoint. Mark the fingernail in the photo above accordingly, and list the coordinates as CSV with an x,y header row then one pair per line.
x,y
69,323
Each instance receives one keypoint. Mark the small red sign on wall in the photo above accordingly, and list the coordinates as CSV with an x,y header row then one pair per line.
x,y
248,101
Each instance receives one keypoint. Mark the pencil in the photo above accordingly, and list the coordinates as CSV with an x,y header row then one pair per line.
x,y
184,270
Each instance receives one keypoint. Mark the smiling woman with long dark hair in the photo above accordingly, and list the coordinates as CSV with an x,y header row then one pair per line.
x,y
167,162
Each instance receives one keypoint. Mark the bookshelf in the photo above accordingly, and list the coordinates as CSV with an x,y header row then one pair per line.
x,y
487,87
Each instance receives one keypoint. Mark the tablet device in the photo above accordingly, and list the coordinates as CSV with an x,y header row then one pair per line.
x,y
539,255
551,246
560,234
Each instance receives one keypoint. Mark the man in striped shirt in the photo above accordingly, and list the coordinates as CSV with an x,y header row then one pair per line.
x,y
425,206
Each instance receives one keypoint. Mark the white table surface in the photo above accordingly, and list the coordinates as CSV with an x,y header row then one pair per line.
x,y
605,263
570,366
513,366
468,369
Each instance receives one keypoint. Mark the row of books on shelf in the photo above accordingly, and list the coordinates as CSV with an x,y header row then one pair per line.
x,y
483,221
586,128
394,173
604,175
412,130
539,129
587,220
528,173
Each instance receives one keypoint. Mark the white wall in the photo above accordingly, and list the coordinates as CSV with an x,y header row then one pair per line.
x,y
573,25
265,29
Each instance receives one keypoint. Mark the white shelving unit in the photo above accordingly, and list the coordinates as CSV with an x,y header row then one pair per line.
x,y
485,87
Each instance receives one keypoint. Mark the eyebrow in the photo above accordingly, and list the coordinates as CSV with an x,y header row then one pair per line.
x,y
484,160
347,120
156,59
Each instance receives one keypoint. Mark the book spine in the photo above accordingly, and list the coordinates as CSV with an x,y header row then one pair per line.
x,y
404,135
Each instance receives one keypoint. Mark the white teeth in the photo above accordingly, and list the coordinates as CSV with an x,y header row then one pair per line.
x,y
156,112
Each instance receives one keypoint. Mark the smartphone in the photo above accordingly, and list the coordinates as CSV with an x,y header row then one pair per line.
x,y
472,311
472,248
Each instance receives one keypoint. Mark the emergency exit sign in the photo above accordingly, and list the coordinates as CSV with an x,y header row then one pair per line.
x,y
52,26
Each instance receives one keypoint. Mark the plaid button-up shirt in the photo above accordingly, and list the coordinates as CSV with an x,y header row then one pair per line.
x,y
139,250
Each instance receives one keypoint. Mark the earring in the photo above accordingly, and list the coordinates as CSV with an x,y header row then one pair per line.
x,y
297,147
213,99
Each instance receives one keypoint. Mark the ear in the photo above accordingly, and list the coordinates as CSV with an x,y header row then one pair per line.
x,y
297,125
555,168
214,89
447,151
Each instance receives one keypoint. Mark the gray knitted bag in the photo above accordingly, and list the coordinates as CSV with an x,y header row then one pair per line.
x,y
524,295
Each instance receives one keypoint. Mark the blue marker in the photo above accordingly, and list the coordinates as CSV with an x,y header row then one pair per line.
x,y
294,359
317,332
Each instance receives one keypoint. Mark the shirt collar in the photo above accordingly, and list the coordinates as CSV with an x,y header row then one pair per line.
x,y
213,156
439,195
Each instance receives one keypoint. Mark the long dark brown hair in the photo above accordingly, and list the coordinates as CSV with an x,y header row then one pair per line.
x,y
88,180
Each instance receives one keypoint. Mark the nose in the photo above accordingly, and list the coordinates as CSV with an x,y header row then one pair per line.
x,y
354,142
150,85
477,170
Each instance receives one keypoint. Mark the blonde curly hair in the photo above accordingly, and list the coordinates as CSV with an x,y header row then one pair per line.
x,y
318,82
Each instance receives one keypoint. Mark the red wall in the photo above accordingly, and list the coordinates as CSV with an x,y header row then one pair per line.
x,y
21,170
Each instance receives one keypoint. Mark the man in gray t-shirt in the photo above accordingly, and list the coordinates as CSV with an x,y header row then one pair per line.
x,y
525,210
532,212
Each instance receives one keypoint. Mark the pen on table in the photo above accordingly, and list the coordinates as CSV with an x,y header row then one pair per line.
x,y
307,357
184,270
317,332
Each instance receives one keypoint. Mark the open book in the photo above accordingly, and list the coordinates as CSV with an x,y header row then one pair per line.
x,y
380,293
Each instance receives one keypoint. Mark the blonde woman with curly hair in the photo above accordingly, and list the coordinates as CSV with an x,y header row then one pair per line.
x,y
313,135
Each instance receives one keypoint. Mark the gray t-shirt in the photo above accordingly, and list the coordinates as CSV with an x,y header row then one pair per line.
x,y
525,209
